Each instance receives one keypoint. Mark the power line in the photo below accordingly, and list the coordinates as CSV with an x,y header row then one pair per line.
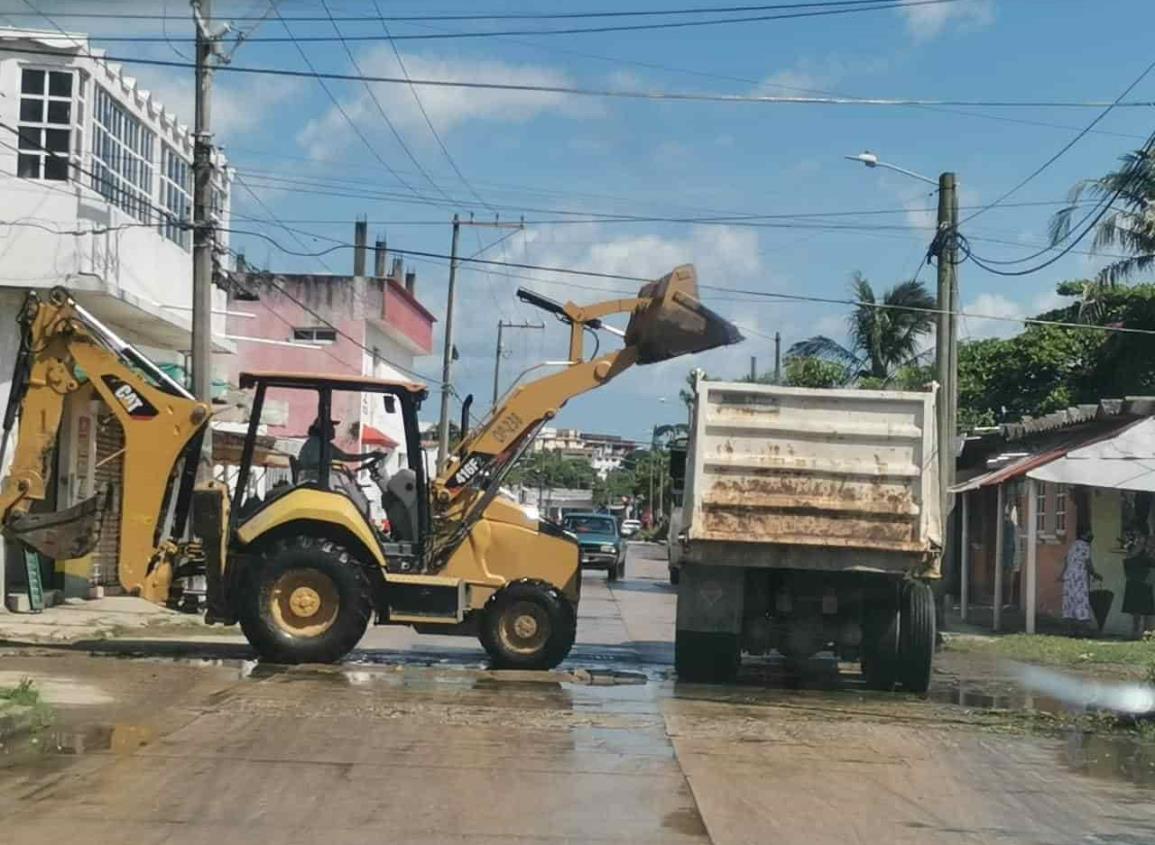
x,y
337,104
843,9
377,103
671,96
425,114
1063,150
570,271
380,16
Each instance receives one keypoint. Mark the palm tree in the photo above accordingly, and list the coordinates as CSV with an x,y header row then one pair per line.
x,y
1123,217
884,337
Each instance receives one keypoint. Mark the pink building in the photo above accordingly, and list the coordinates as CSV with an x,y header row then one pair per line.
x,y
371,325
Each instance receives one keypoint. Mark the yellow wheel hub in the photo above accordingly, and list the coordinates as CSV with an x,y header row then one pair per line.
x,y
524,628
304,602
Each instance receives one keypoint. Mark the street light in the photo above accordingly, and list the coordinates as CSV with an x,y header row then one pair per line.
x,y
871,160
945,248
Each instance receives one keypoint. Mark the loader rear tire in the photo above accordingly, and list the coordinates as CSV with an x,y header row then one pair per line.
x,y
528,624
307,601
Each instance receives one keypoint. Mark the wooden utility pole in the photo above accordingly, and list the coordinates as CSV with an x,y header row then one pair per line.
x,y
447,356
203,238
945,352
502,324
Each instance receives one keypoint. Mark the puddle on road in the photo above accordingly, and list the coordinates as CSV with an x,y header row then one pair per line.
x,y
987,698
1113,757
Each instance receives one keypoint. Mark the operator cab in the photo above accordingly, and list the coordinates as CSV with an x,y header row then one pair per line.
x,y
363,429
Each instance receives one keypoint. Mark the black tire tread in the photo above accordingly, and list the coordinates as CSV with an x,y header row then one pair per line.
x,y
916,648
706,658
347,630
557,647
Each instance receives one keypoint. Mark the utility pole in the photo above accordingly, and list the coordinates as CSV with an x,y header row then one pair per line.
x,y
777,358
447,357
753,368
502,324
945,341
203,237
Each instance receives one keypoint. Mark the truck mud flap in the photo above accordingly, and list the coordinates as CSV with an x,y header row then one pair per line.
x,y
710,599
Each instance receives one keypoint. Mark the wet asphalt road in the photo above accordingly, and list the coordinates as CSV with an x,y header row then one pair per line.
x,y
414,741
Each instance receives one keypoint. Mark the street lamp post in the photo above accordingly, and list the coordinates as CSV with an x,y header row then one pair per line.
x,y
945,248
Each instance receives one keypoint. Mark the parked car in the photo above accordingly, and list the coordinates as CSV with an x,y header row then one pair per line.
x,y
630,527
602,546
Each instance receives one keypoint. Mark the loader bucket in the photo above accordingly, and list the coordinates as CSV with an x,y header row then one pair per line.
x,y
70,533
674,322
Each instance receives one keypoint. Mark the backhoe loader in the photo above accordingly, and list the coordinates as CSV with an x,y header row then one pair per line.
x,y
302,568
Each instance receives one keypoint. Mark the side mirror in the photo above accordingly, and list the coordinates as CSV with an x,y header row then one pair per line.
x,y
390,404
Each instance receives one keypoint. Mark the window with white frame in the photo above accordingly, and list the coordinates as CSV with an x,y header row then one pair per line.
x,y
319,335
175,200
122,162
1041,507
1060,508
45,124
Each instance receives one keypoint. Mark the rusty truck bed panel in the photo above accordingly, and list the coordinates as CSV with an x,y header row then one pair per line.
x,y
839,469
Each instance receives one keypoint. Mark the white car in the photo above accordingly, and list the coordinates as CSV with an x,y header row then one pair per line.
x,y
630,527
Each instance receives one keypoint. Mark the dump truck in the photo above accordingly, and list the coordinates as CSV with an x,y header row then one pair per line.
x,y
811,521
302,568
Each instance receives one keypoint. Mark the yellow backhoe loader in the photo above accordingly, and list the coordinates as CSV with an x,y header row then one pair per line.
x,y
302,567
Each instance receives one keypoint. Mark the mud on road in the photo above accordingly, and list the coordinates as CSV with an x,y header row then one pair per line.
x,y
415,740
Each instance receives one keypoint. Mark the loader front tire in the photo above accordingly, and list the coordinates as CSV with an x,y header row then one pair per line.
x,y
307,601
528,624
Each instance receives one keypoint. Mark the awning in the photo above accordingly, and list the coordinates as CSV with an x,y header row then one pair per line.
x,y
373,437
1125,461
1016,468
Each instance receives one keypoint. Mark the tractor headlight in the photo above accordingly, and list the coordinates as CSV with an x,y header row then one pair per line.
x,y
609,547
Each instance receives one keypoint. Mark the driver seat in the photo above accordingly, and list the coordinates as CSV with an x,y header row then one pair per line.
x,y
400,502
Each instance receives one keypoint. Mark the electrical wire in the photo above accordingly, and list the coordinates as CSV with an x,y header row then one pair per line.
x,y
1063,150
620,13
425,115
380,108
843,9
670,96
336,103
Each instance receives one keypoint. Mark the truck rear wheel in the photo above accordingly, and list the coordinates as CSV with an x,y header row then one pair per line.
x,y
917,635
528,625
880,644
708,658
307,601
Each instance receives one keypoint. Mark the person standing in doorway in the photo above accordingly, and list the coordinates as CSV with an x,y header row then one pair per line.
x,y
1138,594
1076,577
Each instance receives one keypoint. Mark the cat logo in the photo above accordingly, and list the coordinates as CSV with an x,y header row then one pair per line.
x,y
137,406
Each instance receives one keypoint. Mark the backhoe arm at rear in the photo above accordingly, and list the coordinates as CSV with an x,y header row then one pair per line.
x,y
62,346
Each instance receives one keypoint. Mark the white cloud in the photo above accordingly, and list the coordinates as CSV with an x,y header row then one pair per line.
x,y
448,108
924,22
1006,310
238,106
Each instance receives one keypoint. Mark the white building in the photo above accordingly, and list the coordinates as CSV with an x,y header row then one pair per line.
x,y
95,176
604,452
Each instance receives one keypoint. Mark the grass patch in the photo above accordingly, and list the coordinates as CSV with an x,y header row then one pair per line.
x,y
1060,651
24,694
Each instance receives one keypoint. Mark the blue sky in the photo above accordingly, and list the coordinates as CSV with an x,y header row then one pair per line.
x,y
523,151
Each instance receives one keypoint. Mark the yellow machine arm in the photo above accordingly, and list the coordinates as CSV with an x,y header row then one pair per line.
x,y
62,348
666,321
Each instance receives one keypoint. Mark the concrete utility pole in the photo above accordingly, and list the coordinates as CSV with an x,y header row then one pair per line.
x,y
945,341
753,368
203,237
502,324
447,357
777,358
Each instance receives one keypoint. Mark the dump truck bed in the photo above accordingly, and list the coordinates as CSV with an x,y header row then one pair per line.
x,y
823,479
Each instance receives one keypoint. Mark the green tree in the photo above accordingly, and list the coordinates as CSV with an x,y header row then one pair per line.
x,y
1047,367
884,336
814,372
1128,225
